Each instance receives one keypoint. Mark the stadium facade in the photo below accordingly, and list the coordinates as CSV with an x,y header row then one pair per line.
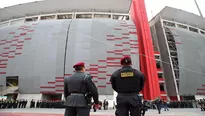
x,y
40,41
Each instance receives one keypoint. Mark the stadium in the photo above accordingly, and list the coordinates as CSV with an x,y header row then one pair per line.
x,y
40,42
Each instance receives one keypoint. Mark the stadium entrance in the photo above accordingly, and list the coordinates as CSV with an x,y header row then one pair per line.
x,y
54,97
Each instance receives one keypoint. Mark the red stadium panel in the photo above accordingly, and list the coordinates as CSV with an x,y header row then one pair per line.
x,y
12,51
3,66
2,43
132,32
30,31
125,37
22,34
17,53
93,65
7,48
110,35
101,71
67,74
2,72
6,53
3,60
12,33
59,85
93,69
110,58
59,90
101,86
201,89
178,43
59,77
108,83
27,39
114,66
101,60
110,39
102,67
110,51
51,82
118,38
47,87
8,41
15,40
113,63
16,36
118,45
125,42
108,74
47,92
117,29
10,56
59,80
102,78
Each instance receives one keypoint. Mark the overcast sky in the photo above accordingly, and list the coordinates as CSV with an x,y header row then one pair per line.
x,y
152,6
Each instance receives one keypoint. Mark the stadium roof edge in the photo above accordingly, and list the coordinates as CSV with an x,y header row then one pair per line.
x,y
53,6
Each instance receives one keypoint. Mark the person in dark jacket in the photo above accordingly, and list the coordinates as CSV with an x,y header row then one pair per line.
x,y
127,82
76,87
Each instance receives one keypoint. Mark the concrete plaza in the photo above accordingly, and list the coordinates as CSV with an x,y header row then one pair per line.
x,y
60,112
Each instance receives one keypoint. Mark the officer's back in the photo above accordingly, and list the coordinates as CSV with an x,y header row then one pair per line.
x,y
127,82
75,89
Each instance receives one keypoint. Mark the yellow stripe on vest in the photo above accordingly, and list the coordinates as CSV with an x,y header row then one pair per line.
x,y
127,74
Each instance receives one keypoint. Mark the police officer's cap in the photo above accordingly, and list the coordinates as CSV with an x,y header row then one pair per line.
x,y
125,59
79,64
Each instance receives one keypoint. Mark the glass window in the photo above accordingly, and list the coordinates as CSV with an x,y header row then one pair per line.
x,y
182,26
170,24
83,16
65,16
31,19
120,17
102,16
47,17
193,29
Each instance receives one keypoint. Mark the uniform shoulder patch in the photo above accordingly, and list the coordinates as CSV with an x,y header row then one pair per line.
x,y
127,74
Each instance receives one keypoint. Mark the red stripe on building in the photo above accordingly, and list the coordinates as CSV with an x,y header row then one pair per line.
x,y
59,80
19,48
102,67
67,74
108,74
3,60
178,43
125,42
51,82
110,51
110,39
22,34
47,92
12,33
125,37
20,41
2,43
117,29
110,35
27,39
101,71
108,83
47,87
118,45
132,32
93,69
10,56
125,33
17,53
9,42
93,65
59,85
110,58
59,90
30,31
7,48
118,38
2,72
101,86
3,66
101,60
102,78
59,77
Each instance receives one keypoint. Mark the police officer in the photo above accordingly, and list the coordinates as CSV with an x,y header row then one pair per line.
x,y
75,89
127,82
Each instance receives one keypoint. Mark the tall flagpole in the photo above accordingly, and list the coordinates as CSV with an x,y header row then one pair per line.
x,y
198,8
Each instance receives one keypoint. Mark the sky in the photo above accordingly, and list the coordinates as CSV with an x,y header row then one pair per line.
x,y
153,6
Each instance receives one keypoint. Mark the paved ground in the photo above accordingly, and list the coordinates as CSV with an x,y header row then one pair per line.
x,y
59,112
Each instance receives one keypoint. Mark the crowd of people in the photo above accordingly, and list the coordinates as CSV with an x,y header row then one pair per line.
x,y
23,103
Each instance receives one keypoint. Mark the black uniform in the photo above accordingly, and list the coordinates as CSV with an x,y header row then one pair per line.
x,y
128,82
75,89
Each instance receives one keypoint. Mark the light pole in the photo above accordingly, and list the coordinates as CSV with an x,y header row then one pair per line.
x,y
198,8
